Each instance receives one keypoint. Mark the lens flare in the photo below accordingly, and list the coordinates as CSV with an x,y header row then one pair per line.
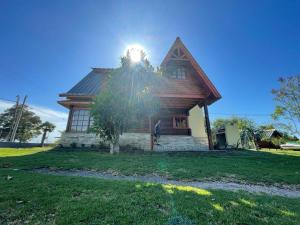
x,y
135,52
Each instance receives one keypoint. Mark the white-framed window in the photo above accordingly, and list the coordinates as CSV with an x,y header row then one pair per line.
x,y
81,120
179,73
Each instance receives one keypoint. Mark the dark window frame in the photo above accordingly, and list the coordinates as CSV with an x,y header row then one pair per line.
x,y
179,73
80,121
180,117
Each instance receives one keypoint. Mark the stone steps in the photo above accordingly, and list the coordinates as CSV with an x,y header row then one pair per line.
x,y
181,143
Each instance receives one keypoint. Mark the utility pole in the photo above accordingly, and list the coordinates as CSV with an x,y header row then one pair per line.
x,y
13,135
8,137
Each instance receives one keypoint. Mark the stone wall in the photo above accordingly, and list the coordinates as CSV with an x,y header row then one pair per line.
x,y
181,143
139,141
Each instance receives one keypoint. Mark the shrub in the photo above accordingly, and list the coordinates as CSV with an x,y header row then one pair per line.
x,y
73,145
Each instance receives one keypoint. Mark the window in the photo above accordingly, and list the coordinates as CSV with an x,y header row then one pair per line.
x,y
81,120
179,73
180,122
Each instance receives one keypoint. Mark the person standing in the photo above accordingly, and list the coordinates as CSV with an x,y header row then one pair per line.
x,y
157,132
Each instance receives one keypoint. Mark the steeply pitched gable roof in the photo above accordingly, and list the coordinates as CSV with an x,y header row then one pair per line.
x,y
178,51
271,133
90,85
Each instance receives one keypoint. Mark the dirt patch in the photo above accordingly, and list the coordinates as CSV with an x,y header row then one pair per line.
x,y
286,191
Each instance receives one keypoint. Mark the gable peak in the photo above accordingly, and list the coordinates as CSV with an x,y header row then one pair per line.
x,y
177,52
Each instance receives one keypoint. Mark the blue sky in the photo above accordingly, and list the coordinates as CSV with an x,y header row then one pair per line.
x,y
243,46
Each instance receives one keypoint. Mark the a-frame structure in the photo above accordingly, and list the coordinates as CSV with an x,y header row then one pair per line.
x,y
184,86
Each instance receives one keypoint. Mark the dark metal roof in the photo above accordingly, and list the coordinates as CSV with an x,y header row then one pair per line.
x,y
90,85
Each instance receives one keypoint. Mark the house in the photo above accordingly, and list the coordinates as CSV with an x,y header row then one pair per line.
x,y
185,96
270,138
228,136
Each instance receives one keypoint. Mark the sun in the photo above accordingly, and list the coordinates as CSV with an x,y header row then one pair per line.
x,y
135,52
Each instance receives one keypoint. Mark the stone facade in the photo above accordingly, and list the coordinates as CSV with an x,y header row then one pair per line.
x,y
141,141
181,143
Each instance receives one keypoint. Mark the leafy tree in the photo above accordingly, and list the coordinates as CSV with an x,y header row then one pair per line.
x,y
125,100
46,127
287,98
242,123
29,125
266,127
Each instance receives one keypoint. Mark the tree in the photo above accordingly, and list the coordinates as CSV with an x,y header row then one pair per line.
x,y
242,123
46,127
126,99
28,128
287,98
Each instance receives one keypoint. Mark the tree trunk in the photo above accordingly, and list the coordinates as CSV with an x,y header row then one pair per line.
x,y
43,138
114,148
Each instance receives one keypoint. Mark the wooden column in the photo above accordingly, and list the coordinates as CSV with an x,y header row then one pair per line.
x,y
208,129
69,123
151,135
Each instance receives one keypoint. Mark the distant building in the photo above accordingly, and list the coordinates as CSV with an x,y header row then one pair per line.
x,y
270,138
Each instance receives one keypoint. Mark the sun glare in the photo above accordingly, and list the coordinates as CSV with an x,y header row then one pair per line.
x,y
135,52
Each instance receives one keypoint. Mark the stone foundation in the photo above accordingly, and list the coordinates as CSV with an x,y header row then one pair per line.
x,y
181,143
139,141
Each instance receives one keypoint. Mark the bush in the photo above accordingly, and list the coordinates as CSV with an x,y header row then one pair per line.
x,y
73,145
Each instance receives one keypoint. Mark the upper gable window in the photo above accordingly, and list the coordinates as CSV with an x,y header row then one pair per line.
x,y
179,73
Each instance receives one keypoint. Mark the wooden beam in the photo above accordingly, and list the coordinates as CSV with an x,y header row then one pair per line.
x,y
151,134
69,123
208,129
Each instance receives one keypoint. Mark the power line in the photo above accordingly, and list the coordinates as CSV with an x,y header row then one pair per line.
x,y
241,114
8,100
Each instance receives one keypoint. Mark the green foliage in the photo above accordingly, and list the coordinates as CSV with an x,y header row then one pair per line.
x,y
287,98
73,145
29,126
266,127
126,99
242,123
47,127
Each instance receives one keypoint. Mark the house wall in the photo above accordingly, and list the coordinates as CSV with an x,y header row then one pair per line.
x,y
140,141
232,134
197,122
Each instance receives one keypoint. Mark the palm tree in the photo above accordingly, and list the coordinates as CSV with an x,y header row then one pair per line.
x,y
46,127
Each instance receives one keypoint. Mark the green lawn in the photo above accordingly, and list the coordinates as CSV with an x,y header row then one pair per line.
x,y
30,198
5,152
267,166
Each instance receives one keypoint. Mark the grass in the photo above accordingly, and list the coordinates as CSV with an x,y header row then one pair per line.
x,y
5,152
266,166
30,198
